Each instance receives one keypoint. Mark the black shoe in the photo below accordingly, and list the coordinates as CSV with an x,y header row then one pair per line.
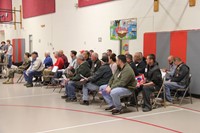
x,y
71,100
64,97
116,111
110,108
29,85
146,109
85,103
25,84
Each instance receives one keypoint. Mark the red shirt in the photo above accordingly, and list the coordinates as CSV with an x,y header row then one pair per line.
x,y
59,63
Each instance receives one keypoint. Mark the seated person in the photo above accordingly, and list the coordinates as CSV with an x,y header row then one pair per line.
x,y
19,70
129,59
179,79
35,69
73,62
86,56
47,72
139,62
71,83
48,62
64,57
96,63
153,82
118,85
99,78
172,67
112,62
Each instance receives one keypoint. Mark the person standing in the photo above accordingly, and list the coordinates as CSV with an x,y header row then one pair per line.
x,y
9,53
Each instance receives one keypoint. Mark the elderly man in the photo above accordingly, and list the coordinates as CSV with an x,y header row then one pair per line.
x,y
64,57
83,71
172,67
99,78
96,63
178,80
48,62
139,62
48,71
118,85
35,69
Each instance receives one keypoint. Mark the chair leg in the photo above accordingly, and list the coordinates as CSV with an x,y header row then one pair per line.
x,y
136,101
61,89
183,96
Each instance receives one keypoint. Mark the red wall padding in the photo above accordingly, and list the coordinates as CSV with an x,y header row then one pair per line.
x,y
149,43
178,46
6,4
32,8
18,50
82,3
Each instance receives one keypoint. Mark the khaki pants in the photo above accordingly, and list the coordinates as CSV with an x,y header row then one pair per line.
x,y
12,72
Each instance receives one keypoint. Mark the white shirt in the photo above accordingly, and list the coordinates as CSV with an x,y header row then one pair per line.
x,y
10,50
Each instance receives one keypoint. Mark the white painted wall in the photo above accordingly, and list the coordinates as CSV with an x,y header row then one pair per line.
x,y
70,28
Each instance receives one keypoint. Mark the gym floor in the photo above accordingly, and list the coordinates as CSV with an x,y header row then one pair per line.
x,y
39,110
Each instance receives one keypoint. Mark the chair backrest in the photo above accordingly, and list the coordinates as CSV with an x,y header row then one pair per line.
x,y
189,80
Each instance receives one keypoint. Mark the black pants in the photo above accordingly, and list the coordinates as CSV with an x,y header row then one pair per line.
x,y
146,92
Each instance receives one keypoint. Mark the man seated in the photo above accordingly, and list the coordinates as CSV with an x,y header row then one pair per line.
x,y
99,78
179,79
83,71
73,62
19,70
153,82
172,67
118,85
48,62
59,64
35,69
139,62
64,57
86,56
96,63
129,59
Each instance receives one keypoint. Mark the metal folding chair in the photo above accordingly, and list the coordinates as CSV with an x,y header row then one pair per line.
x,y
21,77
185,90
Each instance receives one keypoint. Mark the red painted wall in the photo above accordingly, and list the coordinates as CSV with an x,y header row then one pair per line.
x,y
82,3
32,8
6,4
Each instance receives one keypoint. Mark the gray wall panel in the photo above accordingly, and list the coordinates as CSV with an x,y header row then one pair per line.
x,y
162,48
193,59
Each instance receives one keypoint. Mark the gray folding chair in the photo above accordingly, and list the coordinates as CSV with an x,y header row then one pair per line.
x,y
185,90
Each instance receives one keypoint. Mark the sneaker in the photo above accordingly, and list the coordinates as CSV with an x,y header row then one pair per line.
x,y
110,108
85,103
29,85
116,111
167,103
9,82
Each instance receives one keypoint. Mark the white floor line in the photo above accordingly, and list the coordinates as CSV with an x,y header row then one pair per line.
x,y
114,120
28,96
188,110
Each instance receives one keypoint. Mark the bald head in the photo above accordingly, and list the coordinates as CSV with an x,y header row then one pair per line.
x,y
171,59
138,57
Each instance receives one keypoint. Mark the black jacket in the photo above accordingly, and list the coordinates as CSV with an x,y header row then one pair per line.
x,y
181,74
95,66
141,67
83,70
133,66
154,75
101,76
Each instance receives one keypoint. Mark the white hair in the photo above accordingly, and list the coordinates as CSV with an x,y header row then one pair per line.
x,y
47,52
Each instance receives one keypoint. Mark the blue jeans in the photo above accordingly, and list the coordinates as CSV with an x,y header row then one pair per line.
x,y
113,99
9,61
70,89
171,86
31,74
86,88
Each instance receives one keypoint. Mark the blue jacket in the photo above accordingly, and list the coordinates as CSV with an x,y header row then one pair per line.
x,y
48,62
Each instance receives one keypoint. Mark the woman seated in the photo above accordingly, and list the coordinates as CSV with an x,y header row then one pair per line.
x,y
19,70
